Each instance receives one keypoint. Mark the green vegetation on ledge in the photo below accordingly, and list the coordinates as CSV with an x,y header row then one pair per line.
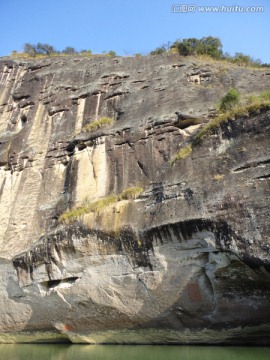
x,y
252,105
230,100
74,214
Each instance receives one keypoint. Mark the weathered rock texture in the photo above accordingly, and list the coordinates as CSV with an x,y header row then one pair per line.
x,y
188,260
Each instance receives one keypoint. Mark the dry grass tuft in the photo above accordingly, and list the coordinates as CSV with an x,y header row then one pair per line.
x,y
184,152
94,125
97,206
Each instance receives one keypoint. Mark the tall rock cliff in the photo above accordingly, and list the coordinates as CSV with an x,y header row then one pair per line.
x,y
147,251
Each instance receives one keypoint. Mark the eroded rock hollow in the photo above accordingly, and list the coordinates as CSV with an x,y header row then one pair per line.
x,y
155,251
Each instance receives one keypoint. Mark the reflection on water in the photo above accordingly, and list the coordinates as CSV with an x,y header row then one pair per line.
x,y
124,352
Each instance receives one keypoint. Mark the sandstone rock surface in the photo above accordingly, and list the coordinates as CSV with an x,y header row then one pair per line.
x,y
188,260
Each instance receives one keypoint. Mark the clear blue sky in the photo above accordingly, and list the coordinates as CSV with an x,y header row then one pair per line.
x,y
131,26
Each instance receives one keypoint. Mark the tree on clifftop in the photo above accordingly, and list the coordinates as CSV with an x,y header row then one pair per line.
x,y
45,49
209,45
187,46
69,50
40,48
30,49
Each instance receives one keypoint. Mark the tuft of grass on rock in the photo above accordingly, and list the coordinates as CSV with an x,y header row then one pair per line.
x,y
95,207
131,193
94,125
184,152
230,100
219,177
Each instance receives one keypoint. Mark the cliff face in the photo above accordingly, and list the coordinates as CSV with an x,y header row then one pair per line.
x,y
185,261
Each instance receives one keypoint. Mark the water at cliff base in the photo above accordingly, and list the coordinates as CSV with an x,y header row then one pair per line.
x,y
118,352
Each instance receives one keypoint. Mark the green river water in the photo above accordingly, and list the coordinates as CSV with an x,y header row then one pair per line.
x,y
126,352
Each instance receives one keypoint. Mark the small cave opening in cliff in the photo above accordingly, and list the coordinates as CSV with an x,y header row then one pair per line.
x,y
23,121
51,284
